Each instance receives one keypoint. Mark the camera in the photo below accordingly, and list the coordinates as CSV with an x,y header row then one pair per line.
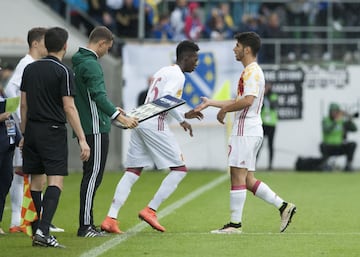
x,y
354,115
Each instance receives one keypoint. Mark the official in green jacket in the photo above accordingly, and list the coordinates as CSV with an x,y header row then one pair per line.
x,y
96,112
334,130
269,117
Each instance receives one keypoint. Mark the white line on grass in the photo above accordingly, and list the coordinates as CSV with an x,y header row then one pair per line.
x,y
271,234
136,229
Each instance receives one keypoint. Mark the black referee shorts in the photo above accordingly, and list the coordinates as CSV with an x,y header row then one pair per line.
x,y
45,149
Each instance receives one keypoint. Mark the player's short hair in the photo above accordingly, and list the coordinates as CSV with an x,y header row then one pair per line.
x,y
55,39
250,39
100,33
35,34
185,47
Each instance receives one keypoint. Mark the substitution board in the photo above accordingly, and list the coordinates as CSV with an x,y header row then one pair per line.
x,y
151,109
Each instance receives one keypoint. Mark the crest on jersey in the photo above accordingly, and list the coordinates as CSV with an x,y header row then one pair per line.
x,y
201,81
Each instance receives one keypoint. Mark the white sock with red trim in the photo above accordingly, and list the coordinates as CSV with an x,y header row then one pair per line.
x,y
122,192
265,193
167,187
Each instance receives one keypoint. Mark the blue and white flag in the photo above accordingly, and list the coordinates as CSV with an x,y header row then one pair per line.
x,y
201,81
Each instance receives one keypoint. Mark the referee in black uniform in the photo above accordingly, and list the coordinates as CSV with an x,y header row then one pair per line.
x,y
47,102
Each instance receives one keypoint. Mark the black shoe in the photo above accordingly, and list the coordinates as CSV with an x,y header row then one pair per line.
x,y
46,241
90,232
229,228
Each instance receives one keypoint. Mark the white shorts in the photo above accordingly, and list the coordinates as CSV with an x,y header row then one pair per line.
x,y
17,161
243,151
147,147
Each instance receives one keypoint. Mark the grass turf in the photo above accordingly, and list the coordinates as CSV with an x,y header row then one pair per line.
x,y
326,223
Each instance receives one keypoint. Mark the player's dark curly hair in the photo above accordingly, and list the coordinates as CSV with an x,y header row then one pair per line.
x,y
250,39
55,39
185,47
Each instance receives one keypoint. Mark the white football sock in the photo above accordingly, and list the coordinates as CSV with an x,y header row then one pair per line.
x,y
167,187
264,192
122,192
237,202
16,196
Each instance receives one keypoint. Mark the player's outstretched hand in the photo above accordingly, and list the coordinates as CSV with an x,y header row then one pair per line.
x,y
192,114
187,126
128,122
85,150
203,105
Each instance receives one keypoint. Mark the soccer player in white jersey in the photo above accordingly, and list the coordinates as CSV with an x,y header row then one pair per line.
x,y
152,142
37,50
246,136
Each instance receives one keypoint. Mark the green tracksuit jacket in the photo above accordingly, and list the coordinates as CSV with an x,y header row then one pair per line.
x,y
95,109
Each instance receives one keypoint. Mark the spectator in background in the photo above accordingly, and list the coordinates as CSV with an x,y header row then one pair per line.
x,y
151,14
177,19
57,6
334,129
241,8
77,19
98,10
112,6
272,29
266,9
298,15
163,30
253,23
193,26
269,117
216,27
224,9
127,20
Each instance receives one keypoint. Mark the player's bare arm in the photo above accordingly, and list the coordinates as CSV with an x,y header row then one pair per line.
x,y
235,106
206,102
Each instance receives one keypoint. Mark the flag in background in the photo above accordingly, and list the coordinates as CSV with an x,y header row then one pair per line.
x,y
201,82
28,211
224,93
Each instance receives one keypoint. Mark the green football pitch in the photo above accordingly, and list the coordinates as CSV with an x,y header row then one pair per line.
x,y
326,224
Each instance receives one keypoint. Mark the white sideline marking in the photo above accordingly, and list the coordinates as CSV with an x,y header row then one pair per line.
x,y
270,234
136,229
